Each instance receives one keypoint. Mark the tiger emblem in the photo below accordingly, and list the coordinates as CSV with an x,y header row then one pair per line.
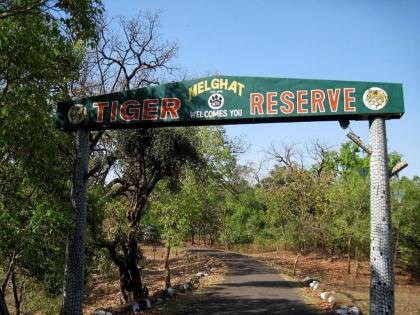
x,y
77,114
375,98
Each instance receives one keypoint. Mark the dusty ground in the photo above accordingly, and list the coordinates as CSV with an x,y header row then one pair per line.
x,y
333,276
249,287
104,288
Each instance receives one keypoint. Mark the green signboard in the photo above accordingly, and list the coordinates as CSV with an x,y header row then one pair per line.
x,y
233,100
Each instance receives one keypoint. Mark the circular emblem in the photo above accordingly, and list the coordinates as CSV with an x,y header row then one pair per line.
x,y
375,98
77,114
216,101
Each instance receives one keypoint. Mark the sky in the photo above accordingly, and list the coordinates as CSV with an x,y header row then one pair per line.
x,y
357,40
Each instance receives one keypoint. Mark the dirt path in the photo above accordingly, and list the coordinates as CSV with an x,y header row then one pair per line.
x,y
249,287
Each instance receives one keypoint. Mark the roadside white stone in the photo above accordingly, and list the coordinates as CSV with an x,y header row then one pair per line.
x,y
342,311
307,281
158,301
135,307
326,295
314,285
354,310
100,312
148,304
187,286
332,300
170,291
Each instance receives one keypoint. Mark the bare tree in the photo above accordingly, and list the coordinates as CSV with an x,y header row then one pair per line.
x,y
319,153
130,55
288,155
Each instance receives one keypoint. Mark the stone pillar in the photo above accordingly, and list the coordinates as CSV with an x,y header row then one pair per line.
x,y
381,260
75,252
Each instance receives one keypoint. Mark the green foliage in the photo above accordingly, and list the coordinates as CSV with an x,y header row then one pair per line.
x,y
349,160
324,207
244,218
41,45
348,213
406,220
34,229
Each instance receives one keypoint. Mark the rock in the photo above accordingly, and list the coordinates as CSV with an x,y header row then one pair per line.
x,y
179,288
332,300
354,310
158,301
325,295
315,285
307,281
187,286
148,304
170,292
135,307
200,274
100,312
342,311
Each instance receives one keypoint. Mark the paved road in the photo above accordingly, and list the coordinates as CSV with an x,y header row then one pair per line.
x,y
249,287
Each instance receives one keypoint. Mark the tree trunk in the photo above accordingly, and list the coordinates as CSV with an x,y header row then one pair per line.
x,y
131,285
167,270
298,254
356,253
348,256
9,272
3,306
397,236
135,276
16,294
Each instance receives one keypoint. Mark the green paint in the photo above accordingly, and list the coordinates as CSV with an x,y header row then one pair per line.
x,y
233,100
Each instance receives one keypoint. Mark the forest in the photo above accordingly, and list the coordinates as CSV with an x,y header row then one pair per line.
x,y
186,183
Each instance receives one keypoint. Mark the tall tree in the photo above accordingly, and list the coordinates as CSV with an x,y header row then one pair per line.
x,y
146,156
40,52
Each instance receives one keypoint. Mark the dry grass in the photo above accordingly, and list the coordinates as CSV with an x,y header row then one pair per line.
x,y
103,289
333,276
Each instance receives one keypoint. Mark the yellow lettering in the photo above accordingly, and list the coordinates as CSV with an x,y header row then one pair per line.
x,y
206,86
223,84
215,84
192,91
241,88
233,87
200,87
